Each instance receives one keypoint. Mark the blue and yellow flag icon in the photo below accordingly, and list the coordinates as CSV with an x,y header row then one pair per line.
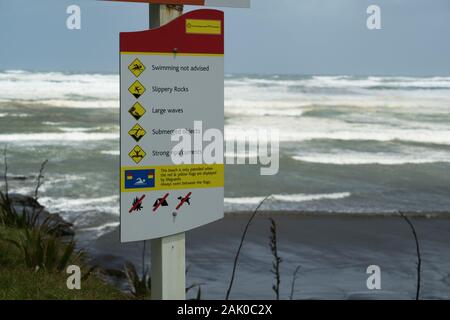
x,y
139,179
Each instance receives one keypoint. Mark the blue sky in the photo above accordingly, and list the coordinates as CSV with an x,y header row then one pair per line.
x,y
275,36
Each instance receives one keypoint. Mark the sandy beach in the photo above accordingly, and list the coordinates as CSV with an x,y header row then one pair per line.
x,y
333,253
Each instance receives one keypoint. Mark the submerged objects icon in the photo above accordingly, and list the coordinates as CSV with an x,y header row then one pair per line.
x,y
137,132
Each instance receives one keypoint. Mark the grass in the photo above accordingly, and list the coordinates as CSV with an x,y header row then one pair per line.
x,y
276,258
33,258
19,282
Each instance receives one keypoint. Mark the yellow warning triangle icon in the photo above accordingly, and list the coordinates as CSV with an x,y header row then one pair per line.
x,y
136,89
137,132
136,67
137,154
137,111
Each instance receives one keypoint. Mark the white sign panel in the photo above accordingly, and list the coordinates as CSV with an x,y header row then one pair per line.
x,y
172,97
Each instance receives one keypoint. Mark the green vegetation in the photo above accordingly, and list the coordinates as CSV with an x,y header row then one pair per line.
x,y
141,286
34,257
17,281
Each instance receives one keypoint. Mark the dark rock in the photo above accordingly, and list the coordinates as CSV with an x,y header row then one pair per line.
x,y
112,273
28,205
23,200
16,178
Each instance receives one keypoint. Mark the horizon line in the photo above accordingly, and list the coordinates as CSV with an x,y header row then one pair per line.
x,y
69,72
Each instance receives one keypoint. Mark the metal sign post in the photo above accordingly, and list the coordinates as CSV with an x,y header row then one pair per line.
x,y
172,89
168,254
161,14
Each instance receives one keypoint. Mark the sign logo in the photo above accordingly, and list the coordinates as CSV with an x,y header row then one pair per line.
x,y
137,154
196,26
136,67
137,111
137,132
137,204
136,89
139,179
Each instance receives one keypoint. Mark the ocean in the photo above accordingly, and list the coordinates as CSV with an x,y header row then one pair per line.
x,y
347,144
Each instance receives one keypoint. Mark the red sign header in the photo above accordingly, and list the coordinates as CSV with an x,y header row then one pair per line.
x,y
195,32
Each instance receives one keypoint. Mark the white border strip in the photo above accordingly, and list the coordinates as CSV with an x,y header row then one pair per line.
x,y
228,3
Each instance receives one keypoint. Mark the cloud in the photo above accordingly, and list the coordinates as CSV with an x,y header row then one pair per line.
x,y
285,36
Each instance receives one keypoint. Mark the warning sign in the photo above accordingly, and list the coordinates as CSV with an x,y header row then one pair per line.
x,y
179,93
137,111
137,132
137,204
137,154
183,200
136,67
189,176
161,202
138,179
136,89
